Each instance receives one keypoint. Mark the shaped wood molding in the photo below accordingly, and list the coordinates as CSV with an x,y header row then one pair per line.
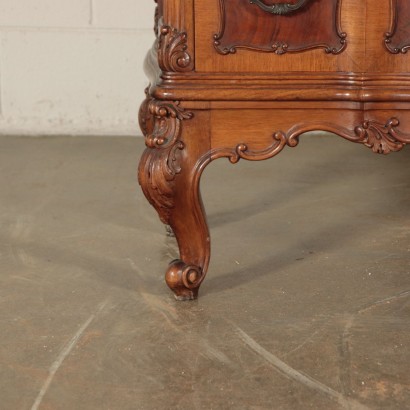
x,y
315,25
397,39
380,138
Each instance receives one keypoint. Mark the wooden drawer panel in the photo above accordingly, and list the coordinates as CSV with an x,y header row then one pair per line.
x,y
229,37
314,25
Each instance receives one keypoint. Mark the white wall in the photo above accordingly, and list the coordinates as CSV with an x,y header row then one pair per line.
x,y
73,66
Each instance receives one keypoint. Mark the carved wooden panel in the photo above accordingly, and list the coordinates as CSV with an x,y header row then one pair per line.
x,y
287,27
397,39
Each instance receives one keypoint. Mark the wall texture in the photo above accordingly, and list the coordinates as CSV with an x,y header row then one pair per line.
x,y
73,66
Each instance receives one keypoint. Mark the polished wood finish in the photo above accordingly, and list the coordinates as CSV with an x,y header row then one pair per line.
x,y
232,79
397,39
240,22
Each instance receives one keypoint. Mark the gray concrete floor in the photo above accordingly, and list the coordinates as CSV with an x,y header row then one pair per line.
x,y
306,304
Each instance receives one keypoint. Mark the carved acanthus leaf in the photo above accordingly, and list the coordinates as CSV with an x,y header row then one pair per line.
x,y
382,138
161,122
173,55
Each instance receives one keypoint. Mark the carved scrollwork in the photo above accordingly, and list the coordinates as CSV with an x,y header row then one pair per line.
x,y
184,280
280,9
166,117
241,151
160,164
397,39
173,55
380,138
388,40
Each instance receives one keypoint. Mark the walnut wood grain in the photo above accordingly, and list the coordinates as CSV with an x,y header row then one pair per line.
x,y
169,174
397,39
209,14
243,99
316,25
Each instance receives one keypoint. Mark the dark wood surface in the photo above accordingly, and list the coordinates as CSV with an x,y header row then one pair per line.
x,y
229,79
315,25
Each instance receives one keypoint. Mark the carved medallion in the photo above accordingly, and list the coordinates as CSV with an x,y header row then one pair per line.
x,y
397,39
280,27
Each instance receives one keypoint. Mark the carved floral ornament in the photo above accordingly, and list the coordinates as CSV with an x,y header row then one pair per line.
x,y
160,122
380,138
173,55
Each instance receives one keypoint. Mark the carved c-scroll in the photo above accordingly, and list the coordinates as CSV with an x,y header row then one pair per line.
x,y
397,39
380,138
161,123
173,55
241,151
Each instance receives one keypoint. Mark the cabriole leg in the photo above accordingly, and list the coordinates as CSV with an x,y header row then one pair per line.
x,y
169,174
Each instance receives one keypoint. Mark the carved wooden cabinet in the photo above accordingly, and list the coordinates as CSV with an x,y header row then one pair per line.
x,y
243,79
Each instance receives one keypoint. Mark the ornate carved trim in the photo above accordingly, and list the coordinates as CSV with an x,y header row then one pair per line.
x,y
280,47
280,8
380,138
241,151
394,25
161,122
173,55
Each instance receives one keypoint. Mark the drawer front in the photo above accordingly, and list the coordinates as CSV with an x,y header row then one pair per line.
x,y
267,36
288,28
